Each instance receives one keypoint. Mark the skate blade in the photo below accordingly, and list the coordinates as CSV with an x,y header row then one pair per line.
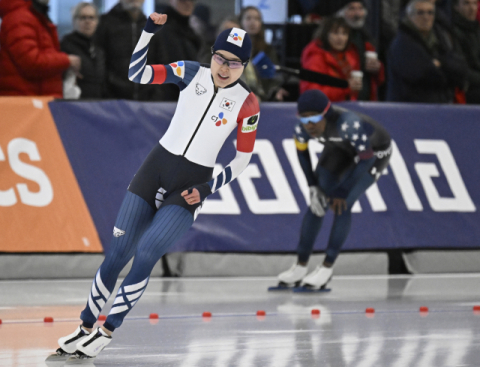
x,y
75,361
57,358
283,287
308,289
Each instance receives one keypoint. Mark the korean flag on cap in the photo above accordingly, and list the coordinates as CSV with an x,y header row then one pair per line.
x,y
236,36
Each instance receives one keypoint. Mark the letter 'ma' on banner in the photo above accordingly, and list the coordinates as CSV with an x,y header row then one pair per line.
x,y
41,206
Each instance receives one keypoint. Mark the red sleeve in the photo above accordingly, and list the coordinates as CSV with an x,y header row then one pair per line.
x,y
247,121
314,58
22,45
159,74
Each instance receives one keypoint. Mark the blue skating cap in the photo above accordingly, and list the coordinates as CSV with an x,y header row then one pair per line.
x,y
236,41
313,101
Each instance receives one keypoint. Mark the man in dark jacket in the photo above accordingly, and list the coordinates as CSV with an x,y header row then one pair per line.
x,y
117,34
467,32
80,42
31,63
177,41
423,64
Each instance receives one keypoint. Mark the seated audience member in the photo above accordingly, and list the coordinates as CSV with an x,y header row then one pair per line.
x,y
467,32
355,14
31,63
423,66
80,42
332,53
262,82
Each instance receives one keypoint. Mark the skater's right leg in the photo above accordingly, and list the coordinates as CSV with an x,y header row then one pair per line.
x,y
133,218
311,223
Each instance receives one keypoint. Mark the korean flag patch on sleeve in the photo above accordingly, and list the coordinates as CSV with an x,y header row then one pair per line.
x,y
178,68
250,123
236,36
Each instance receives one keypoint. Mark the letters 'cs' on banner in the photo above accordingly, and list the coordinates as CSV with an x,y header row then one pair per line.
x,y
41,206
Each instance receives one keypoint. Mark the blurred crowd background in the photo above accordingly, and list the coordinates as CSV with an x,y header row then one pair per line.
x,y
424,51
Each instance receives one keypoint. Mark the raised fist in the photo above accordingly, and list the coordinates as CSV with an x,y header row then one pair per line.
x,y
159,19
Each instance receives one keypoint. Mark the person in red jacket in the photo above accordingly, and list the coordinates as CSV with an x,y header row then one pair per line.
x,y
332,53
31,63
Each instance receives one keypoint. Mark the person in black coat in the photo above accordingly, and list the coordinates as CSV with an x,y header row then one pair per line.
x,y
177,41
117,34
424,65
80,42
467,31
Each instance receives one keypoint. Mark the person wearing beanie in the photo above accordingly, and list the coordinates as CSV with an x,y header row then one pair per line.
x,y
167,192
356,151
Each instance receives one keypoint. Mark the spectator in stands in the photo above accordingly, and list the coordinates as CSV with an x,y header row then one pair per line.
x,y
332,53
200,23
31,63
467,31
177,41
264,84
117,34
422,65
80,42
228,22
355,14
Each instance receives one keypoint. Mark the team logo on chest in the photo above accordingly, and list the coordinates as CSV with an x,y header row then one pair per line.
x,y
200,89
219,120
178,68
227,104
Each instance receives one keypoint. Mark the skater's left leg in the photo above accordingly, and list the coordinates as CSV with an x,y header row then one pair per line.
x,y
169,224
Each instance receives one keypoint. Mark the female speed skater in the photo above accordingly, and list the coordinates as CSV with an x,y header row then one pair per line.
x,y
167,191
356,151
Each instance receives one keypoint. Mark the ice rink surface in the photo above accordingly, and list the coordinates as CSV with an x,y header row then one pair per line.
x,y
397,334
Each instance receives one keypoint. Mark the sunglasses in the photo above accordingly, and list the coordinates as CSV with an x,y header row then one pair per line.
x,y
313,119
231,64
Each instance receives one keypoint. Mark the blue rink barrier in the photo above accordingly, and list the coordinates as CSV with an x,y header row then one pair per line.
x,y
427,198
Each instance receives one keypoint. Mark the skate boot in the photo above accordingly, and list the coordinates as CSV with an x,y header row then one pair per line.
x,y
89,347
68,344
318,279
290,278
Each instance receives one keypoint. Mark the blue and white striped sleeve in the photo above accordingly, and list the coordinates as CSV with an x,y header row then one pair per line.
x,y
180,72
